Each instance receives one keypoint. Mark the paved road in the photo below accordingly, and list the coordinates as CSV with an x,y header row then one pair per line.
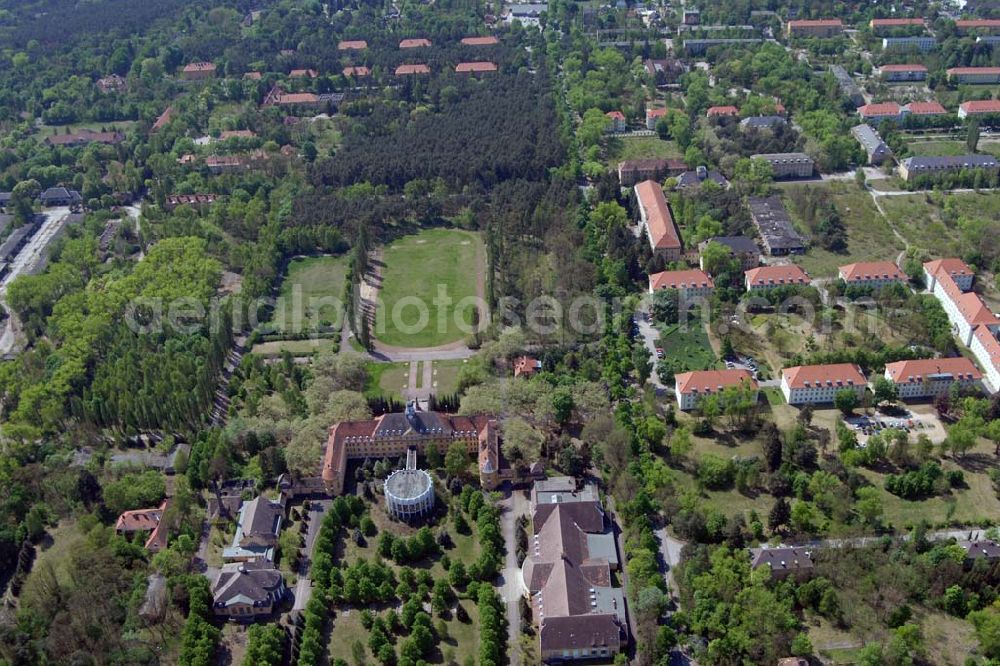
x,y
650,338
29,259
201,556
510,586
670,551
303,586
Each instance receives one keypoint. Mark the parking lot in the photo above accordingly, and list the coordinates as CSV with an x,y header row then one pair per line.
x,y
913,421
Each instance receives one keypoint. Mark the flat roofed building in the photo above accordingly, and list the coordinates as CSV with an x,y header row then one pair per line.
x,y
903,72
874,146
821,28
691,387
776,277
690,284
819,384
883,25
930,377
775,227
921,43
872,274
925,165
788,165
658,222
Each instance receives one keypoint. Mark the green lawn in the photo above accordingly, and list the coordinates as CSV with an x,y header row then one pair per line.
x,y
937,148
419,269
294,347
387,379
691,347
446,376
311,294
640,147
869,237
929,221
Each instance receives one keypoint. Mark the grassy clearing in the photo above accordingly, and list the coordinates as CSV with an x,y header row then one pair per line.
x,y
937,148
387,379
690,347
445,376
869,237
419,268
54,552
294,347
640,147
311,294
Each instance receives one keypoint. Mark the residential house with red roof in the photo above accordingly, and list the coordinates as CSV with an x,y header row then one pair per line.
x,y
691,387
690,284
974,75
480,41
415,43
881,26
478,67
930,377
871,274
352,45
816,28
987,26
407,70
197,71
983,107
526,366
653,116
145,520
819,384
722,112
775,277
617,119
658,222
357,71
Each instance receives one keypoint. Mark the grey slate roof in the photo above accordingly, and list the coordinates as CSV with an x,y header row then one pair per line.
x,y
256,583
762,122
694,178
920,162
783,558
981,549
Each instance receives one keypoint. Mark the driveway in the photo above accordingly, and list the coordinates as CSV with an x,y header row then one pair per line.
x,y
650,338
303,586
516,504
670,551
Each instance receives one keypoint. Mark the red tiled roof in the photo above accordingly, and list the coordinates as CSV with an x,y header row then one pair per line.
x,y
617,115
879,109
904,68
656,113
925,108
710,381
480,41
841,374
659,220
689,279
981,106
253,76
787,274
977,23
359,70
914,371
298,98
163,119
895,22
949,266
954,71
972,308
805,23
722,111
352,45
414,43
990,344
303,73
871,270
472,67
233,134
199,67
526,365
412,69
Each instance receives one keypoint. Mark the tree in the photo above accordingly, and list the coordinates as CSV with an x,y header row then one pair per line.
x,y
456,461
884,391
869,505
972,137
802,646
987,624
665,307
845,400
780,514
22,200
522,443
264,645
